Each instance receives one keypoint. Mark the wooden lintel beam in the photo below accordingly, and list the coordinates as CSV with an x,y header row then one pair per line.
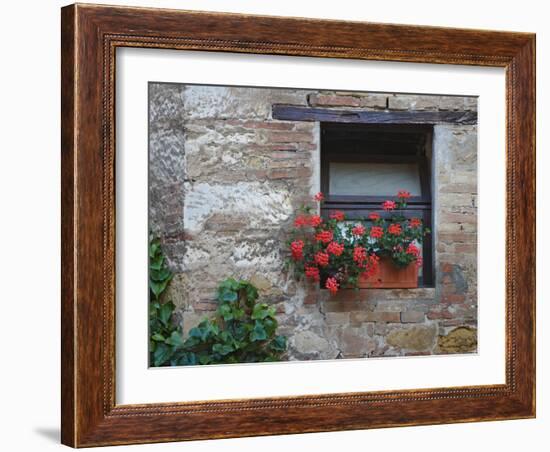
x,y
299,113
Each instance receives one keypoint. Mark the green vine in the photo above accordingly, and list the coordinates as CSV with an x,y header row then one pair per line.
x,y
242,331
162,331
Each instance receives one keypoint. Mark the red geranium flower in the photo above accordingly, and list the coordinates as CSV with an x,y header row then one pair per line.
x,y
371,266
376,232
335,248
374,216
337,215
324,236
358,230
359,254
415,222
315,220
403,194
394,229
389,205
419,261
312,272
321,258
412,249
296,249
319,197
332,285
300,221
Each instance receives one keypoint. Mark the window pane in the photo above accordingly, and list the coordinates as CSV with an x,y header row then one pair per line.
x,y
373,179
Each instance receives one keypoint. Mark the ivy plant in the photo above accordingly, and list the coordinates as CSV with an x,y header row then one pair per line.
x,y
243,331
162,331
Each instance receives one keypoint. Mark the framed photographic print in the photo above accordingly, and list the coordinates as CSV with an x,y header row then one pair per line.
x,y
281,225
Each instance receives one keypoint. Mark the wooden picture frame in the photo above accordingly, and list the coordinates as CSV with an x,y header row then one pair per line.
x,y
90,36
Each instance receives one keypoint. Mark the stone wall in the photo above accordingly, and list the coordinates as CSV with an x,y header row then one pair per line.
x,y
225,179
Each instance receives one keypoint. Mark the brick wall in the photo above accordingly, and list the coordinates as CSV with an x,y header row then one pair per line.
x,y
225,179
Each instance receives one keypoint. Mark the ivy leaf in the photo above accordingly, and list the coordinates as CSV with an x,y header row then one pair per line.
x,y
226,312
157,287
156,262
187,359
228,296
270,325
161,354
205,359
251,293
158,337
258,333
222,349
175,340
165,312
160,275
261,311
278,344
154,247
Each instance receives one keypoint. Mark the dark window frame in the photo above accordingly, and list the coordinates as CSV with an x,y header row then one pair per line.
x,y
357,207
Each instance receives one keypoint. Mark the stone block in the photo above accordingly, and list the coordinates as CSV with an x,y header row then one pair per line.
x,y
412,317
412,102
355,342
386,317
165,101
309,344
345,306
373,100
453,103
260,282
333,100
418,338
459,340
337,318
392,305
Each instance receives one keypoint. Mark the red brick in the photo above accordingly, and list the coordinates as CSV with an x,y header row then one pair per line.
x,y
289,137
345,306
375,316
452,298
269,125
443,314
205,306
283,154
453,237
448,287
345,295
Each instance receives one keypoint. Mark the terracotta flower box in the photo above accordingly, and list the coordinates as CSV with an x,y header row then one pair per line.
x,y
390,276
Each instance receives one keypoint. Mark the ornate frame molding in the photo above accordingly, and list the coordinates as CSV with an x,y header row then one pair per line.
x,y
90,36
